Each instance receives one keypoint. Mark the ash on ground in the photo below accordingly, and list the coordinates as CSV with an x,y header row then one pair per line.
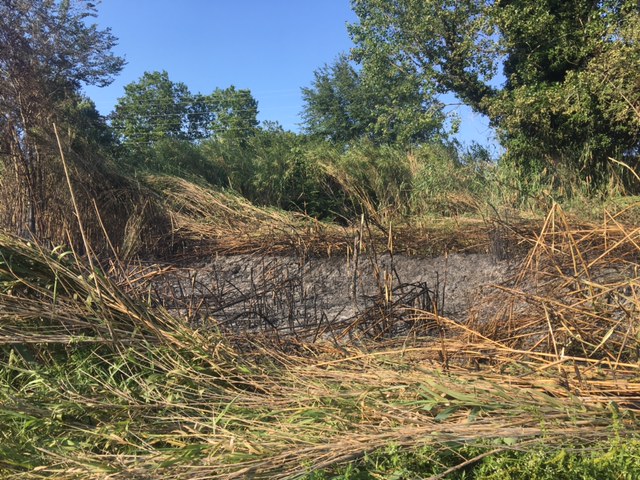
x,y
377,296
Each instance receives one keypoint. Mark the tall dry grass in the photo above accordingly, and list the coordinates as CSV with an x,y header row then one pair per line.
x,y
118,214
577,295
97,383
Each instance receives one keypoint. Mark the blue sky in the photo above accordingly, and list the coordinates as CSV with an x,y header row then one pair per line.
x,y
271,47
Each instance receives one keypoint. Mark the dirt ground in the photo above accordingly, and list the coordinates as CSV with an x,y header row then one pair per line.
x,y
292,294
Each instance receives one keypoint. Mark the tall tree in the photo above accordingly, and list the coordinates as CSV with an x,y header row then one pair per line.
x,y
558,105
384,105
155,108
235,113
550,52
333,108
48,49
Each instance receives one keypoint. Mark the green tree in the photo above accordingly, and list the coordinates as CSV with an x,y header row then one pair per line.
x,y
551,109
333,109
235,113
48,50
155,108
562,103
380,104
87,130
232,144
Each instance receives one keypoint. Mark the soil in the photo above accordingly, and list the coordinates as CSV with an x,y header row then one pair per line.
x,y
294,294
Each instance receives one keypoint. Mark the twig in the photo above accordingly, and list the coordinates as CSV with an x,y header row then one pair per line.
x,y
462,465
85,241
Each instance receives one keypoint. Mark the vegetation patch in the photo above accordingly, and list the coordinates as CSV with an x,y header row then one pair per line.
x,y
101,376
97,382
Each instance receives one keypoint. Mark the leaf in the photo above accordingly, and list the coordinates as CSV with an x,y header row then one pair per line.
x,y
446,413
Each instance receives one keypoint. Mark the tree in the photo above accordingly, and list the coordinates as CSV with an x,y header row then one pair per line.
x,y
559,106
87,128
548,110
332,105
383,105
445,44
235,113
155,108
48,49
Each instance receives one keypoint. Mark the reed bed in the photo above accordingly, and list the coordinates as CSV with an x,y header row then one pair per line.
x,y
208,221
98,382
577,294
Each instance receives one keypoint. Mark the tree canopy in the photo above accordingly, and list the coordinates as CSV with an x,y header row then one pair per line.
x,y
347,103
48,50
556,78
156,108
235,113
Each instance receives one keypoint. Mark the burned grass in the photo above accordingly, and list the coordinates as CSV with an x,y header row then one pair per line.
x,y
98,381
207,221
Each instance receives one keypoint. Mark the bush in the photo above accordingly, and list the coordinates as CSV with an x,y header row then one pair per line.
x,y
180,158
273,168
448,181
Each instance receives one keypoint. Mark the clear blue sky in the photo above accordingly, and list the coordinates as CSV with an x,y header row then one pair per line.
x,y
271,47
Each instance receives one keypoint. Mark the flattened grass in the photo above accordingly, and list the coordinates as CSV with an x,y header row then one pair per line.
x,y
97,383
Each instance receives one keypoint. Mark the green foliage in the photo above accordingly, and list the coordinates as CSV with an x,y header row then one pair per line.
x,y
449,181
166,129
155,108
290,171
54,41
235,159
387,182
278,167
610,460
180,158
284,175
443,43
376,103
234,113
90,133
274,167
565,103
332,109
570,93
376,180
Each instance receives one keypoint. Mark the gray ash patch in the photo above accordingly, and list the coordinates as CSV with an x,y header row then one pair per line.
x,y
291,295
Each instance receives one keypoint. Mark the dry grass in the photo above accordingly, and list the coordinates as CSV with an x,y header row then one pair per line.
x,y
98,384
207,221
577,295
116,212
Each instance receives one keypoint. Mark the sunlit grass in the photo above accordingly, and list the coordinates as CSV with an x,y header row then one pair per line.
x,y
95,382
